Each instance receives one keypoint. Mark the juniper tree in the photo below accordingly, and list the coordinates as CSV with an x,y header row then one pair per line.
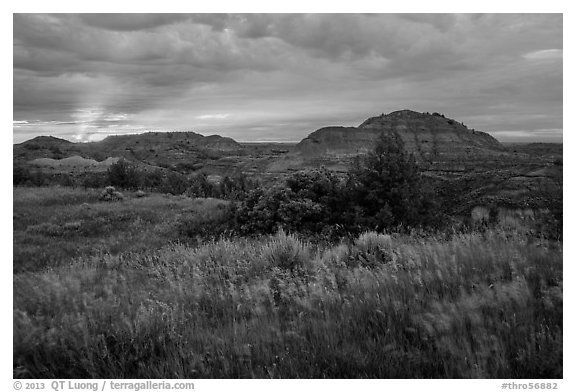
x,y
386,187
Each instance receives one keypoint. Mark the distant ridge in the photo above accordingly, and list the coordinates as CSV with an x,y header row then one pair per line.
x,y
154,148
46,141
159,138
424,134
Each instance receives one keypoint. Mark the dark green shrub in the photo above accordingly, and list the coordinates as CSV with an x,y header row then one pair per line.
x,y
258,213
199,186
21,174
151,179
94,180
123,174
174,183
235,187
310,202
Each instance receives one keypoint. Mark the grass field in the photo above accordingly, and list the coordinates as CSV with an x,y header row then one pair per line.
x,y
53,225
112,290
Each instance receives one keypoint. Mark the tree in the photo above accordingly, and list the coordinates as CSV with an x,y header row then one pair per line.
x,y
200,186
386,188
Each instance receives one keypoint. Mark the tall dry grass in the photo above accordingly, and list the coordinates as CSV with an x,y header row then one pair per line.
x,y
477,305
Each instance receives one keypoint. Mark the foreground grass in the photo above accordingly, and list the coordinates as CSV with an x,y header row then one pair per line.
x,y
477,305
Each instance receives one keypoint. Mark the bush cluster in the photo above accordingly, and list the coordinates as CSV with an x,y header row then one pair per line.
x,y
383,190
24,175
111,194
125,175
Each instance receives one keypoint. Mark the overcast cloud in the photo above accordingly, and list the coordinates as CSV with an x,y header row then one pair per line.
x,y
278,77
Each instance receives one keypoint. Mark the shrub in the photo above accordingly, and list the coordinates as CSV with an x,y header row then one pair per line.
x,y
286,251
21,174
94,180
174,183
151,179
235,187
372,249
307,204
123,174
199,186
371,241
336,256
302,215
258,213
110,194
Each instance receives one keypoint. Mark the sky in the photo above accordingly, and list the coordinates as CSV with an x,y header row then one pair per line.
x,y
279,77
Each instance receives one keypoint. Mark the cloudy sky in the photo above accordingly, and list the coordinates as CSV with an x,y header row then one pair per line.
x,y
278,77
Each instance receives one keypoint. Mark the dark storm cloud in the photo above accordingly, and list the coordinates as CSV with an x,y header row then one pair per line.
x,y
131,22
259,75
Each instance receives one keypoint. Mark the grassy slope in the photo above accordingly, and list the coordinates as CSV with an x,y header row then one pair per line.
x,y
478,305
54,225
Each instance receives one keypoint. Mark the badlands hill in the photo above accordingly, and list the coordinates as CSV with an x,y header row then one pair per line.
x,y
170,141
428,136
165,149
45,141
